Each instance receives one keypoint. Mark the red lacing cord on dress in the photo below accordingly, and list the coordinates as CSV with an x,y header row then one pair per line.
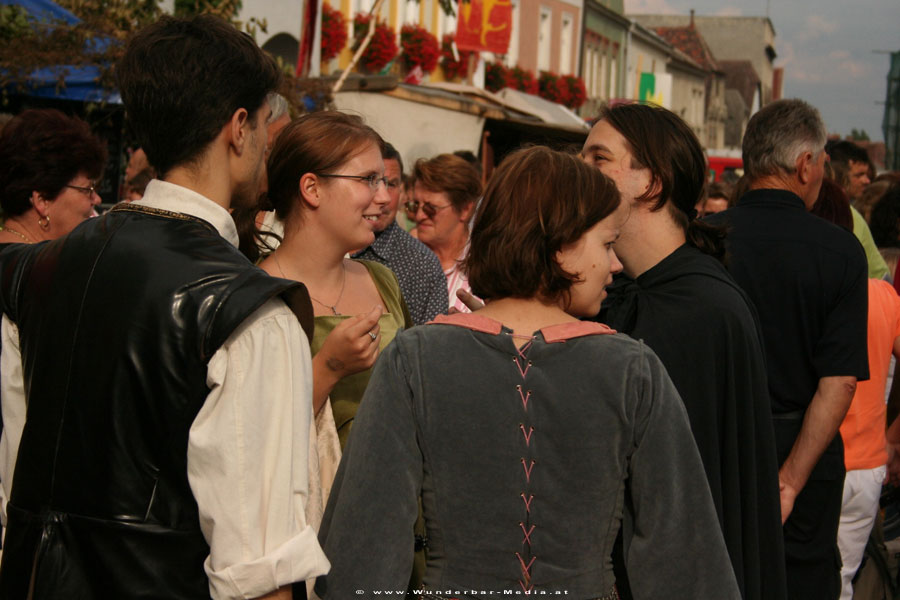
x,y
527,469
526,435
527,466
527,502
526,572
524,397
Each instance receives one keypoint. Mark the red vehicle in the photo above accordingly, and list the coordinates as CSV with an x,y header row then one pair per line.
x,y
718,165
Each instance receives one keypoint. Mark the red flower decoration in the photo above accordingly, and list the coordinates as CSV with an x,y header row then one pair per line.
x,y
548,87
334,32
419,47
567,90
573,91
496,76
381,49
523,80
458,68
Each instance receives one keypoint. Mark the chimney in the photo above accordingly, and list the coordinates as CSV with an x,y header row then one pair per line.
x,y
692,18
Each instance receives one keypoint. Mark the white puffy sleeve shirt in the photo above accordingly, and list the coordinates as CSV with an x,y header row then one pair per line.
x,y
247,460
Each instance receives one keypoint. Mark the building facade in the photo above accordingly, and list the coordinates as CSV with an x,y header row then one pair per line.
x,y
555,26
731,38
688,40
603,53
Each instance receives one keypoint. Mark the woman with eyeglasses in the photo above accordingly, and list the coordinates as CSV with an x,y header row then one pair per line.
x,y
327,185
445,190
49,167
529,435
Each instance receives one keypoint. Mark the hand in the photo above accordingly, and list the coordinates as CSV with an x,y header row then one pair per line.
x,y
471,302
893,464
788,494
352,346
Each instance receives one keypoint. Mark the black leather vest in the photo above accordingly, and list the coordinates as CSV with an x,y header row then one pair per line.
x,y
117,322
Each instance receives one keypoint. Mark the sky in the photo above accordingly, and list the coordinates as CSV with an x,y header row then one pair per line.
x,y
832,51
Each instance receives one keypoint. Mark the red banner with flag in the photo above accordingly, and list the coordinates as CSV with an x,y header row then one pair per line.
x,y
484,25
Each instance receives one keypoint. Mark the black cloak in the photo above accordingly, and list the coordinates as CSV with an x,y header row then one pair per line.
x,y
705,331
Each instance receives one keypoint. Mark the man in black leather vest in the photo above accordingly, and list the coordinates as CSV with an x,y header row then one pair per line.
x,y
163,453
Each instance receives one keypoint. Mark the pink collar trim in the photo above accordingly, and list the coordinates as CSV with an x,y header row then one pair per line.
x,y
552,333
567,331
470,321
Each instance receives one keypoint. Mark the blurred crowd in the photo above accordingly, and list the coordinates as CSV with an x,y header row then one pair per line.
x,y
289,364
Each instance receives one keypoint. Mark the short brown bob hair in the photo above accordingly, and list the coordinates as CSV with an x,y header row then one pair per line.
x,y
537,202
450,174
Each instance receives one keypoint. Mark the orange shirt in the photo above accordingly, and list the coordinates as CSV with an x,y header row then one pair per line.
x,y
863,427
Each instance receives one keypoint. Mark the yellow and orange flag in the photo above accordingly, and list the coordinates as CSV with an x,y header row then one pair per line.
x,y
484,25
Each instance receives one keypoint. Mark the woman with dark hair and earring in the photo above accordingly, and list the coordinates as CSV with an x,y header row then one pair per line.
x,y
49,167
676,296
529,435
327,185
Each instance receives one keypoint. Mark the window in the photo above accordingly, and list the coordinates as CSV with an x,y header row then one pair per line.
x,y
446,23
544,31
512,55
603,92
412,12
565,46
589,70
613,83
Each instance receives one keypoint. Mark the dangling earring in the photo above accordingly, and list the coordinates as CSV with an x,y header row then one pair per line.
x,y
44,222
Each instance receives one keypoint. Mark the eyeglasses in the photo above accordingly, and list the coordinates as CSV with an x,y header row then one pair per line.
x,y
429,209
372,180
90,190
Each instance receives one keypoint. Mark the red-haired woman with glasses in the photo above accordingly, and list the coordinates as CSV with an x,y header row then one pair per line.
x,y
49,167
444,192
327,185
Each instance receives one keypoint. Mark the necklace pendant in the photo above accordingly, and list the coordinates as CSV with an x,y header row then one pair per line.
x,y
334,310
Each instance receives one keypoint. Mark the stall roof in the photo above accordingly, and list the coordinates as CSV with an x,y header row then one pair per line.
x,y
81,82
455,117
517,106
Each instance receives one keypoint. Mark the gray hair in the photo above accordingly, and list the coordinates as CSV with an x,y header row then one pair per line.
x,y
279,106
778,134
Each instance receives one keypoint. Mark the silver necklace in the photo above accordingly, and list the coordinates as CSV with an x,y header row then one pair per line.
x,y
332,307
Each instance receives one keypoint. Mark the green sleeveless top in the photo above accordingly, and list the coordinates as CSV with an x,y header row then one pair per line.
x,y
349,391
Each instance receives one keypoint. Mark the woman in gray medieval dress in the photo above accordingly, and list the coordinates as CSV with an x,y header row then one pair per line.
x,y
529,435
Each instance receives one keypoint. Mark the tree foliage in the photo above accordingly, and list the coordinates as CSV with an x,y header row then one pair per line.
x,y
13,21
97,40
859,135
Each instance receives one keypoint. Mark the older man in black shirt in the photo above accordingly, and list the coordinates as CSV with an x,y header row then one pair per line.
x,y
807,279
418,270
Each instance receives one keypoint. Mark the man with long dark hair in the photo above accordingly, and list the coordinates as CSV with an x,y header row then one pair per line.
x,y
676,296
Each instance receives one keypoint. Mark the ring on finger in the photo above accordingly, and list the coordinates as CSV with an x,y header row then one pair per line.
x,y
373,335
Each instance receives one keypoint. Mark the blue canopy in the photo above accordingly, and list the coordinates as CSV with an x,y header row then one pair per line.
x,y
45,11
81,83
